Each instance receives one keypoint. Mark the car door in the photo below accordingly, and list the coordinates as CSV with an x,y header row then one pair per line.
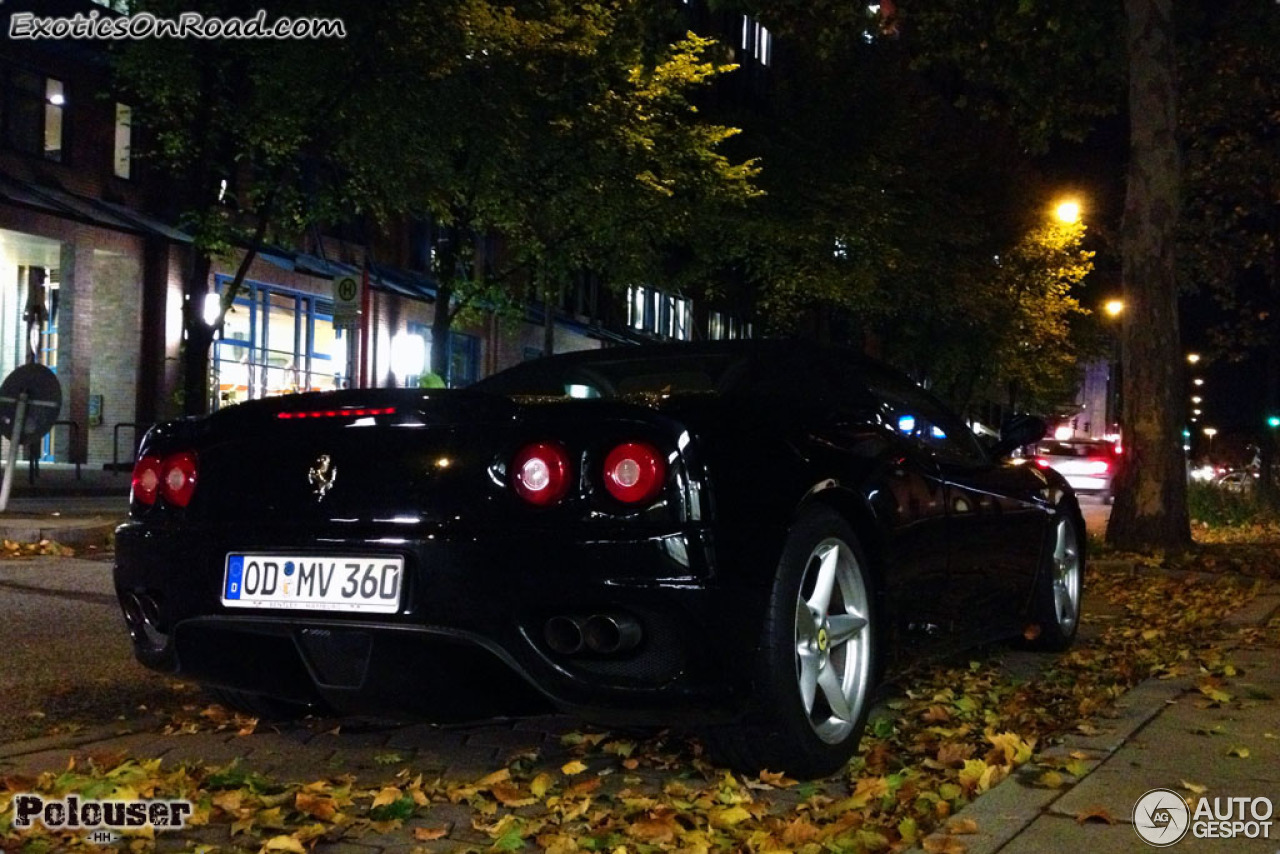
x,y
994,528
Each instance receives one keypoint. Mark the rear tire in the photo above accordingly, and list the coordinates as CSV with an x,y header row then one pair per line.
x,y
1059,585
817,659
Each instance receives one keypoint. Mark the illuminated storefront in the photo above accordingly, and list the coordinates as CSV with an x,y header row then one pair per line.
x,y
277,341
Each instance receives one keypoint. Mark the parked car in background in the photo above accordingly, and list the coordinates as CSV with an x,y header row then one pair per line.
x,y
1089,465
1242,481
741,536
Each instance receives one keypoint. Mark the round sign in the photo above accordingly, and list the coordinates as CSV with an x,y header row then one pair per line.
x,y
347,289
44,401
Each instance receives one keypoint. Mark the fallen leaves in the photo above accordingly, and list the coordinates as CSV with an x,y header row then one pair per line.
x,y
953,733
13,549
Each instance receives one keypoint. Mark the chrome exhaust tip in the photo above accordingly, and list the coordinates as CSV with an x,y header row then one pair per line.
x,y
563,635
609,634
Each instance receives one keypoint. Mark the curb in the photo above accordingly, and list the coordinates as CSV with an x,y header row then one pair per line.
x,y
78,532
1016,802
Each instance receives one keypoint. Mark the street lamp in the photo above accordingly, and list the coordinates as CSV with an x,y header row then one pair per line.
x,y
1193,358
1197,381
1211,432
1114,307
1067,211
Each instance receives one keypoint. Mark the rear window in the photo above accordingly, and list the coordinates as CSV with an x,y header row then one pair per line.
x,y
596,377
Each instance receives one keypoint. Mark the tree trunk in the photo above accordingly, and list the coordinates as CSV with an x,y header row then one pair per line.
x,y
441,324
1150,512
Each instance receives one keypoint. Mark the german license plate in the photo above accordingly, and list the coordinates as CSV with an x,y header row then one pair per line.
x,y
328,583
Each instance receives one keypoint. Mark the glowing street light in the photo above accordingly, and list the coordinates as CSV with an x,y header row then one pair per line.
x,y
1193,358
1211,432
1195,398
1114,307
1067,211
1197,381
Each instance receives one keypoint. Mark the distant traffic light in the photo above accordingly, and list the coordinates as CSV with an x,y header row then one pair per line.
x,y
1273,421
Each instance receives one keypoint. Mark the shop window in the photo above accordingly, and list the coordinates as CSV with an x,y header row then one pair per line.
x,y
123,155
276,341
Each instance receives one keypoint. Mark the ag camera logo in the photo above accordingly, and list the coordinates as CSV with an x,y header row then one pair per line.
x,y
1161,817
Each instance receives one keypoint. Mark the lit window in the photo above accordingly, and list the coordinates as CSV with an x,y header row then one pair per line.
x,y
55,99
124,141
715,326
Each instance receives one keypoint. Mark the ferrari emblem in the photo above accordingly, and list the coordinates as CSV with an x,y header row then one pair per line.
x,y
322,475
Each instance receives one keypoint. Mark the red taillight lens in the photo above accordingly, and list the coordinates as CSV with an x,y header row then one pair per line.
x,y
178,478
634,472
1042,462
540,473
146,479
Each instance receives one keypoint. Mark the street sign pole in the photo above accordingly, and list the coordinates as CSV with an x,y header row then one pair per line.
x,y
11,461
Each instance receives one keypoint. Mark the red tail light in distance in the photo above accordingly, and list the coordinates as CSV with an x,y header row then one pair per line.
x,y
634,472
540,473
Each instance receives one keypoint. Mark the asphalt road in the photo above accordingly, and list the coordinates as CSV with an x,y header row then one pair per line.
x,y
1096,515
67,654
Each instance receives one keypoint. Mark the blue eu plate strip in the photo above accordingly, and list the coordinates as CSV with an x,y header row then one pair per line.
x,y
235,575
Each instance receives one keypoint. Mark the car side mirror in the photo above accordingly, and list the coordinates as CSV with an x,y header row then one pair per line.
x,y
1017,431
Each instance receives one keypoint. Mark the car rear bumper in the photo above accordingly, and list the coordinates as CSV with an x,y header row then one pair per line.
x,y
472,623
1087,484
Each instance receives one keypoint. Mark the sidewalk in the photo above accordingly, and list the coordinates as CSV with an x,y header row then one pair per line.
x,y
74,511
1167,736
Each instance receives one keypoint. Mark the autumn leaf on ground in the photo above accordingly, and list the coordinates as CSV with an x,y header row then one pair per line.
x,y
962,826
426,834
577,766
1239,752
937,844
1194,787
1096,814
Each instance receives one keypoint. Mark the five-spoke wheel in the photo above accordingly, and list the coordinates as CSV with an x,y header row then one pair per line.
x,y
833,645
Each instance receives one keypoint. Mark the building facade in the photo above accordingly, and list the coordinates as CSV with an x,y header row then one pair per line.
x,y
91,277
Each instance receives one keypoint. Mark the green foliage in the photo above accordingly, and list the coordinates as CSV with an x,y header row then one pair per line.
x,y
1231,224
1216,507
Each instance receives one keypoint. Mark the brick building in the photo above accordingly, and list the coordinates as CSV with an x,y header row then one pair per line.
x,y
91,274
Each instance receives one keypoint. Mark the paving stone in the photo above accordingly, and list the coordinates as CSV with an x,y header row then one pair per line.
x,y
505,738
206,750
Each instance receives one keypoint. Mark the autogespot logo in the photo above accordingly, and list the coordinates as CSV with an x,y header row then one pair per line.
x,y
1161,817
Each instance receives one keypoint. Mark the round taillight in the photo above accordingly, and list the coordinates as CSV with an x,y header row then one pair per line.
x,y
178,478
540,473
146,479
634,472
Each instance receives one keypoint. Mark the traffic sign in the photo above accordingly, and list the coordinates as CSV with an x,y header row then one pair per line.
x,y
43,401
346,301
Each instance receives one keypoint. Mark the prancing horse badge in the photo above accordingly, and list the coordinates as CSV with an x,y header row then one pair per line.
x,y
322,475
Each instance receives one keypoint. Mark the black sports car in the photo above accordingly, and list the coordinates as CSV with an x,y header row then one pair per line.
x,y
739,536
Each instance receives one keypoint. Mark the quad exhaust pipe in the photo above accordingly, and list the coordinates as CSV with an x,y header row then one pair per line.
x,y
140,609
602,634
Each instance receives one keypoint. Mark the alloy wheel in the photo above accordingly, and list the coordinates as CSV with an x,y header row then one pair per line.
x,y
1066,576
833,640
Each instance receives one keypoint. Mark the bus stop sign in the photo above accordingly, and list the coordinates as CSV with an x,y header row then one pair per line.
x,y
43,401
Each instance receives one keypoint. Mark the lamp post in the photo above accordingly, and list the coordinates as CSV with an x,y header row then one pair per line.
x,y
1114,308
1211,432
